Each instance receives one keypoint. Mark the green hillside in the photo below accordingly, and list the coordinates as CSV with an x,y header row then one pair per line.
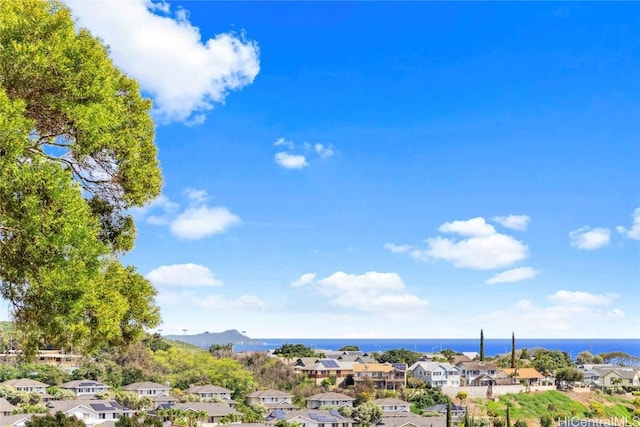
x,y
531,406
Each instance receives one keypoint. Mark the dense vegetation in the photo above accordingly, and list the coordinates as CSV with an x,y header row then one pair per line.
x,y
76,152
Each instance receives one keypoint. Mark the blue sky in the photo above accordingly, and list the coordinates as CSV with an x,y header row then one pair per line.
x,y
389,170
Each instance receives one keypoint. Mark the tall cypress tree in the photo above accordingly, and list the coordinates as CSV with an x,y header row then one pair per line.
x,y
481,345
508,416
449,419
513,350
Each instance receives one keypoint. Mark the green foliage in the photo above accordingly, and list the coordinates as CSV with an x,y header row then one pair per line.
x,y
546,420
367,414
524,354
429,397
132,400
399,355
568,375
285,423
144,421
294,351
547,362
60,393
72,125
349,348
619,358
57,420
520,423
449,354
14,396
584,357
187,367
221,350
44,373
30,408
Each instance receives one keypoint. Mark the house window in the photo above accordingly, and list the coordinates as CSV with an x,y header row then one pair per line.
x,y
102,416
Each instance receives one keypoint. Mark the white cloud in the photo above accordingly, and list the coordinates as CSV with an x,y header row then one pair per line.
x,y
183,275
298,156
471,227
514,222
185,75
163,207
481,253
291,161
203,221
513,275
197,195
219,302
568,313
305,279
580,298
370,292
634,231
397,249
323,150
588,239
280,142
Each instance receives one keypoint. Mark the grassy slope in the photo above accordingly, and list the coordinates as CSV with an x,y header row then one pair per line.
x,y
532,406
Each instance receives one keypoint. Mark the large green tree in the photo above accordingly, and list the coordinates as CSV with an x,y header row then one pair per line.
x,y
76,152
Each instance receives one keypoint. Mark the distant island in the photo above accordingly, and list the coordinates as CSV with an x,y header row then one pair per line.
x,y
207,339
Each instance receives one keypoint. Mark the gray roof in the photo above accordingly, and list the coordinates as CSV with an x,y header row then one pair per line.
x,y
318,415
269,393
208,388
145,385
212,409
6,406
83,383
399,419
388,401
329,396
14,419
477,366
24,382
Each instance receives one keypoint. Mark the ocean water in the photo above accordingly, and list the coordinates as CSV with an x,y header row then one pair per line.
x,y
492,346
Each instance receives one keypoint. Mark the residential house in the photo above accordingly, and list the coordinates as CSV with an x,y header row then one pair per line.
x,y
437,374
19,420
211,392
148,388
619,376
328,369
528,376
271,399
408,419
356,358
329,399
391,404
383,375
310,418
27,385
6,408
85,387
457,411
214,410
591,377
91,412
303,361
477,373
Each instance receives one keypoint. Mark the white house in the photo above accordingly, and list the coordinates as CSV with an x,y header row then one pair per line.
x,y
477,373
271,399
329,399
390,404
437,374
148,388
91,412
27,385
209,391
310,418
85,387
